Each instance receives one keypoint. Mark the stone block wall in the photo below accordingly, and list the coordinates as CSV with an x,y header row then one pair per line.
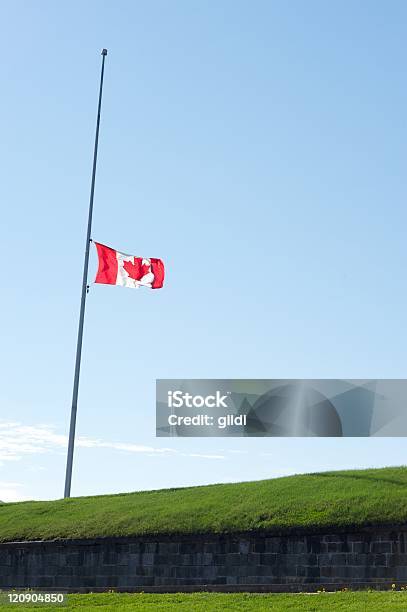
x,y
248,561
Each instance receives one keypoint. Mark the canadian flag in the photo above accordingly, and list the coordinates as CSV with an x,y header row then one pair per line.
x,y
116,268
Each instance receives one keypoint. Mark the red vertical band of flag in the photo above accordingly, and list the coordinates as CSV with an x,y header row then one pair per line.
x,y
157,268
108,265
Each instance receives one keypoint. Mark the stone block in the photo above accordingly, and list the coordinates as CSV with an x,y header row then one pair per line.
x,y
135,548
338,547
314,544
338,558
266,570
356,559
240,570
326,571
380,547
273,545
237,559
151,547
395,560
244,547
5,580
358,572
223,570
42,581
147,558
297,546
171,548
305,559
381,571
109,557
219,559
401,572
360,547
268,559
74,558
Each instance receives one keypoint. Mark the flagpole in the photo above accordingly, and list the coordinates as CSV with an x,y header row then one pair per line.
x,y
71,442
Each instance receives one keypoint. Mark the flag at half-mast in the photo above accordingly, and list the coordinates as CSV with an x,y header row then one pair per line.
x,y
116,268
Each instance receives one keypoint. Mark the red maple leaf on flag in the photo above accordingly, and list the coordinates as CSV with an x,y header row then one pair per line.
x,y
137,269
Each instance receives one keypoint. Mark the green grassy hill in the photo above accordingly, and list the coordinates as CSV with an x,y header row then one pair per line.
x,y
313,501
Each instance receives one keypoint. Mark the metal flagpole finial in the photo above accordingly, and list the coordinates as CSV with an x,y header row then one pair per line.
x,y
104,51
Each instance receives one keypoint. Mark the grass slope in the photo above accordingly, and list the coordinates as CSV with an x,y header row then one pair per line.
x,y
330,499
219,602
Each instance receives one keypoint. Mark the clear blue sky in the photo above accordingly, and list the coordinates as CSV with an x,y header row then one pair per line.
x,y
259,148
